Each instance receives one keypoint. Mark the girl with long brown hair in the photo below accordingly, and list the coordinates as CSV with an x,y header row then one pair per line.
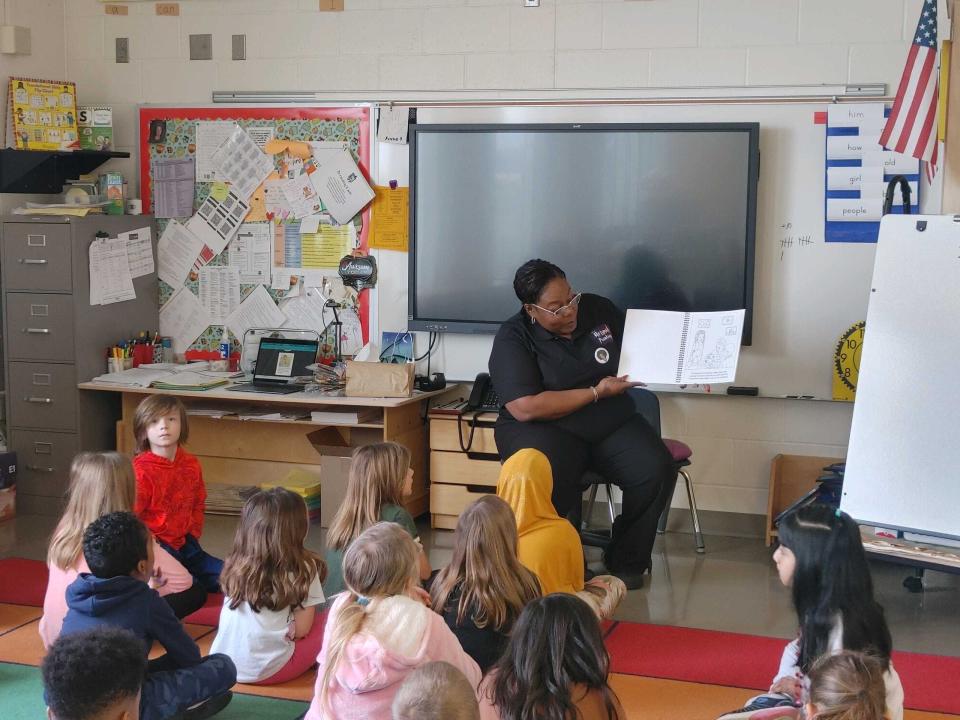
x,y
272,586
554,668
101,483
380,630
484,588
847,686
380,478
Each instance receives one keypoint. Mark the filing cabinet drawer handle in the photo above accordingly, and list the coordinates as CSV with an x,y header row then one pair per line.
x,y
37,331
42,400
40,468
32,261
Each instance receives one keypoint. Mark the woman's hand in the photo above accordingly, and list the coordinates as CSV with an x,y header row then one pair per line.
x,y
788,686
612,386
419,594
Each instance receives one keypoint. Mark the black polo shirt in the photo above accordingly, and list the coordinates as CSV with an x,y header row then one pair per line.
x,y
527,359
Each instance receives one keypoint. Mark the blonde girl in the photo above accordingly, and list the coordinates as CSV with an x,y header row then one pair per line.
x,y
380,478
272,586
380,630
484,589
101,483
847,686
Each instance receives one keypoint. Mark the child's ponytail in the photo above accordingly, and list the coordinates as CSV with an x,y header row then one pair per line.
x,y
380,563
848,686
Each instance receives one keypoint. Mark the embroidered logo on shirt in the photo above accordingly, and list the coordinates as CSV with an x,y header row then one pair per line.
x,y
602,355
603,335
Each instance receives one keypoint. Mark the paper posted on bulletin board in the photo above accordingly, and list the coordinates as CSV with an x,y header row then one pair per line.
x,y
390,223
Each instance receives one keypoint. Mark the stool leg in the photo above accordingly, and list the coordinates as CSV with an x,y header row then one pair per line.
x,y
698,536
610,508
591,499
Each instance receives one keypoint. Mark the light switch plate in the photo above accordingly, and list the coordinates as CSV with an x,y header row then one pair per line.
x,y
123,50
239,47
201,47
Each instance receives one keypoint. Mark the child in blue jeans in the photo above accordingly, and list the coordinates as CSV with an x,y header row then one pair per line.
x,y
115,593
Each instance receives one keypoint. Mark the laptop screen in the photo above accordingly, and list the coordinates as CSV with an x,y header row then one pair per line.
x,y
280,359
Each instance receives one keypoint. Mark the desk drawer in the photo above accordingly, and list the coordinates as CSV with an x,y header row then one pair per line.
x,y
42,396
43,461
447,502
37,256
443,436
39,326
455,468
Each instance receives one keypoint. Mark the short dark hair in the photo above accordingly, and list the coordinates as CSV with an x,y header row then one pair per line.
x,y
114,543
532,277
86,672
152,409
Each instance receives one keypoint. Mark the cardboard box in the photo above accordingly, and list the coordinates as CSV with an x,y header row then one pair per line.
x,y
375,379
95,123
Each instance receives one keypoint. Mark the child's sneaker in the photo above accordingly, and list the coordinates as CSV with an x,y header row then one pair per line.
x,y
775,706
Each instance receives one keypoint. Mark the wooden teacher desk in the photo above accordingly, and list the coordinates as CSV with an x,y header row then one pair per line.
x,y
258,450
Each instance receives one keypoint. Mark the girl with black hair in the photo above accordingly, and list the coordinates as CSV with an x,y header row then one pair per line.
x,y
554,668
821,560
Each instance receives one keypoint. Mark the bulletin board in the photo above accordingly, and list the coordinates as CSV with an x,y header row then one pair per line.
x,y
350,125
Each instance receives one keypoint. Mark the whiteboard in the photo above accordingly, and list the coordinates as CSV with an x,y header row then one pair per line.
x,y
904,456
805,295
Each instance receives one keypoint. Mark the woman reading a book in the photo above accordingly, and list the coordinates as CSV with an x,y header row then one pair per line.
x,y
553,366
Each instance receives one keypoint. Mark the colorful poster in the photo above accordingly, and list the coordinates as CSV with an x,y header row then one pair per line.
x,y
43,114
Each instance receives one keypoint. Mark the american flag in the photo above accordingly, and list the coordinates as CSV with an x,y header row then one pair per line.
x,y
912,125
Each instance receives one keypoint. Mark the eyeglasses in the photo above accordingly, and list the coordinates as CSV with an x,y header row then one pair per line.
x,y
563,309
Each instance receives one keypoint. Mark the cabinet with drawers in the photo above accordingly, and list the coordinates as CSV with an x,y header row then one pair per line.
x,y
54,339
458,477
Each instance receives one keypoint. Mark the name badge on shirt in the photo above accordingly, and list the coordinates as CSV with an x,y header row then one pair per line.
x,y
603,335
601,355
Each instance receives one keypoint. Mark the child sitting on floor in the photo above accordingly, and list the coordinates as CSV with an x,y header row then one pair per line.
x,y
436,691
846,686
94,675
380,477
268,623
170,493
114,593
548,544
821,560
380,630
484,588
101,483
555,666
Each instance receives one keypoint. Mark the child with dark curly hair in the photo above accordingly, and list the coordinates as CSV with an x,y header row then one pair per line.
x,y
94,675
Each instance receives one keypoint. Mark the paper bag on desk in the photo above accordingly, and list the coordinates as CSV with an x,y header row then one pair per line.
x,y
375,379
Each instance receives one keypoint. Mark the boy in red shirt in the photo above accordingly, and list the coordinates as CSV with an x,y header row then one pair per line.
x,y
170,490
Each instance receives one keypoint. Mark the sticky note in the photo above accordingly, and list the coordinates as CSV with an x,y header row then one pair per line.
x,y
219,191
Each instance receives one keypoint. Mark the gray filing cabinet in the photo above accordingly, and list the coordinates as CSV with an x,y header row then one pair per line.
x,y
54,339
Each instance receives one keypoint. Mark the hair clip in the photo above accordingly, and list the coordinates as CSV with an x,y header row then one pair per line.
x,y
837,512
362,601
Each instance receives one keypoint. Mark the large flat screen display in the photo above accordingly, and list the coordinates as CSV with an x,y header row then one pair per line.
x,y
652,216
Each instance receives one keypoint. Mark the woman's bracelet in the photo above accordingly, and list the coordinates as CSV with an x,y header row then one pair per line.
x,y
596,395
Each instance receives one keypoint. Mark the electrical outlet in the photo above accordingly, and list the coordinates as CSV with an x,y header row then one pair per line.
x,y
531,3
123,50
239,47
201,47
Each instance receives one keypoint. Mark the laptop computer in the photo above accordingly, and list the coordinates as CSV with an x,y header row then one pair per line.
x,y
278,360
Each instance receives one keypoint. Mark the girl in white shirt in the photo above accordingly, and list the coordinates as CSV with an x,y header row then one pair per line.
x,y
271,587
821,560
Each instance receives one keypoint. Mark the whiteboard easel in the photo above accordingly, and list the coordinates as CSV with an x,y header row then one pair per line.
x,y
904,453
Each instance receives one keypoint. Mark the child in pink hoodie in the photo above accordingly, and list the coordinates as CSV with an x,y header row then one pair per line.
x,y
380,631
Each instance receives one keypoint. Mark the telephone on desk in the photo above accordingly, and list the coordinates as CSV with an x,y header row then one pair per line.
x,y
483,398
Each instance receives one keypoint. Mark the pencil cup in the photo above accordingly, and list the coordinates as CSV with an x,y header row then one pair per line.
x,y
142,355
115,365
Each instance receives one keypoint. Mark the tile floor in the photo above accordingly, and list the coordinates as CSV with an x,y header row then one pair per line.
x,y
732,587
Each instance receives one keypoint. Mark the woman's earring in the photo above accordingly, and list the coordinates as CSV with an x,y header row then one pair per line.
x,y
533,320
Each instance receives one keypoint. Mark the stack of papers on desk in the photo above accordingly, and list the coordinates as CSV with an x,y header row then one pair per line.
x,y
346,416
189,380
136,377
216,413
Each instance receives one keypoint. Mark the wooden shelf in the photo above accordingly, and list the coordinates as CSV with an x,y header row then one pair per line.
x,y
45,172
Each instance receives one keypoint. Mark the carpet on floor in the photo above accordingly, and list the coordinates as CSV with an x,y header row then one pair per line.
x,y
24,581
749,661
